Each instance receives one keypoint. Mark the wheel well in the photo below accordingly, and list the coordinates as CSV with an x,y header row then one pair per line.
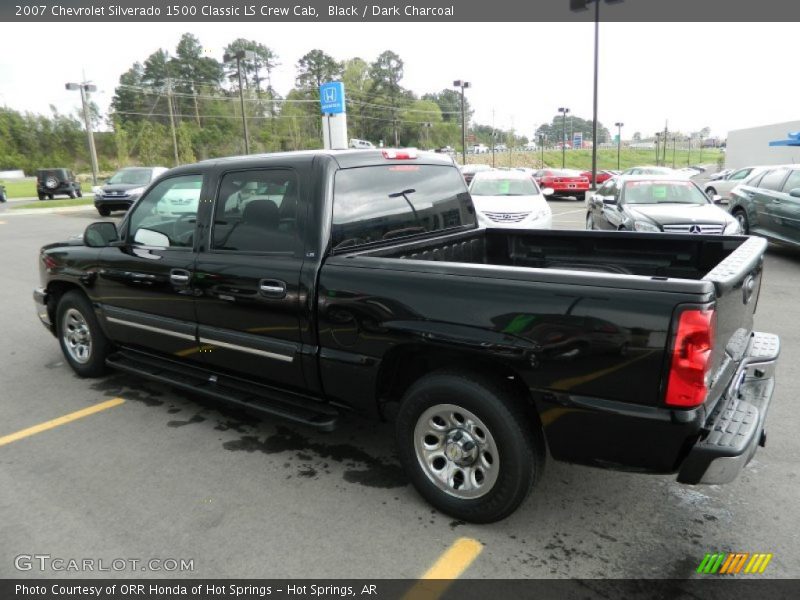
x,y
55,291
406,365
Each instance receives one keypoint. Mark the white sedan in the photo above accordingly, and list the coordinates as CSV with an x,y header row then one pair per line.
x,y
510,199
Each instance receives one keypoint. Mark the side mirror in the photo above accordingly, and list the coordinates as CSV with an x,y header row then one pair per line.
x,y
100,234
548,191
795,193
717,199
608,199
148,237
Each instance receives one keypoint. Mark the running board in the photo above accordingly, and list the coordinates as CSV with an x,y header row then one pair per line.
x,y
237,393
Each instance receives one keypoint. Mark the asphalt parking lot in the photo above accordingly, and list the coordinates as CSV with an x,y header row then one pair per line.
x,y
161,475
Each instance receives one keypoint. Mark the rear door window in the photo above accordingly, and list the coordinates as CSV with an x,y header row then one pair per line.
x,y
256,211
792,182
773,180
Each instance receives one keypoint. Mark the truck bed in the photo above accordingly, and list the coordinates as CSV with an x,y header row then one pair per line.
x,y
663,256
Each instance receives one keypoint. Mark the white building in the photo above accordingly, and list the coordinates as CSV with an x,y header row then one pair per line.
x,y
751,146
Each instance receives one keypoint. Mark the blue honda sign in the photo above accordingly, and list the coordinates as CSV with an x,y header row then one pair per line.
x,y
331,98
793,140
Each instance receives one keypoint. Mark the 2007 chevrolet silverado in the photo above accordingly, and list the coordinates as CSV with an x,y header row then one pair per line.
x,y
304,284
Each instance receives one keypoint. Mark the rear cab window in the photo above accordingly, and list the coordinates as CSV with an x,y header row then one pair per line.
x,y
377,203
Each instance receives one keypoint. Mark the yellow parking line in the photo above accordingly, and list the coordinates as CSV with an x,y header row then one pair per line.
x,y
13,437
450,565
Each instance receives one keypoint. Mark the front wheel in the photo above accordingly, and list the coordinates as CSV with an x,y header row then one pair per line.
x,y
469,445
741,217
104,211
83,342
589,221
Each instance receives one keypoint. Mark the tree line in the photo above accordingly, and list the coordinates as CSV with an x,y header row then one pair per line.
x,y
198,97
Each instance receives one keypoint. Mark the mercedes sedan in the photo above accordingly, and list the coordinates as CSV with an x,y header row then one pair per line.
x,y
654,204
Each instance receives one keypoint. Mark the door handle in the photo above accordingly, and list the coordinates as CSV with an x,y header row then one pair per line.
x,y
272,288
179,276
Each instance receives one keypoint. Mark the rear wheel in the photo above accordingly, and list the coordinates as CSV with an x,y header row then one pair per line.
x,y
50,196
41,196
104,211
72,194
468,446
589,221
710,191
741,217
80,193
82,341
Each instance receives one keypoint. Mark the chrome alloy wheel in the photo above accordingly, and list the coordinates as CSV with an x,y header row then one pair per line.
x,y
456,451
77,336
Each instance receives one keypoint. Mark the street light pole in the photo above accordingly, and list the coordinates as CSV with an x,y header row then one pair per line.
x,y
463,85
658,145
238,56
563,110
619,125
594,106
84,87
578,5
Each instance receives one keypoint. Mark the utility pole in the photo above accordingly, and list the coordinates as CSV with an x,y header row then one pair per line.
x,y
238,56
172,121
196,108
459,83
85,87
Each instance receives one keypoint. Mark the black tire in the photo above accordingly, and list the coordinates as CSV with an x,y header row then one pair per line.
x,y
76,323
104,211
589,221
740,215
41,196
510,443
710,191
50,196
79,193
72,194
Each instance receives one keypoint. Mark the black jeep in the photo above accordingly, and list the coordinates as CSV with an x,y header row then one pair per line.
x,y
50,182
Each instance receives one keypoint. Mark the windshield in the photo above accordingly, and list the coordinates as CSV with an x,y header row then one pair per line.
x,y
371,204
663,192
131,176
503,187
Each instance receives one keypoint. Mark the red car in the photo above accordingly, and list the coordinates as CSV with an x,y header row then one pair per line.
x,y
564,182
602,176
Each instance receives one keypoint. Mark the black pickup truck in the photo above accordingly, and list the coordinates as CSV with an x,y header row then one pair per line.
x,y
301,285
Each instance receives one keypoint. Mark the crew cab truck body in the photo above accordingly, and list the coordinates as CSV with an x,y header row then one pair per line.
x,y
359,281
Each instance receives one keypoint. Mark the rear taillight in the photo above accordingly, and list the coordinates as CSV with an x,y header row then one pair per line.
x,y
408,154
48,262
691,358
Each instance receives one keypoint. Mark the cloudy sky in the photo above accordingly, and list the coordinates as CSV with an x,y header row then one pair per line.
x,y
721,75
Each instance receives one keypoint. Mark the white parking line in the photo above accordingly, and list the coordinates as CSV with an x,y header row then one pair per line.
x,y
569,212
